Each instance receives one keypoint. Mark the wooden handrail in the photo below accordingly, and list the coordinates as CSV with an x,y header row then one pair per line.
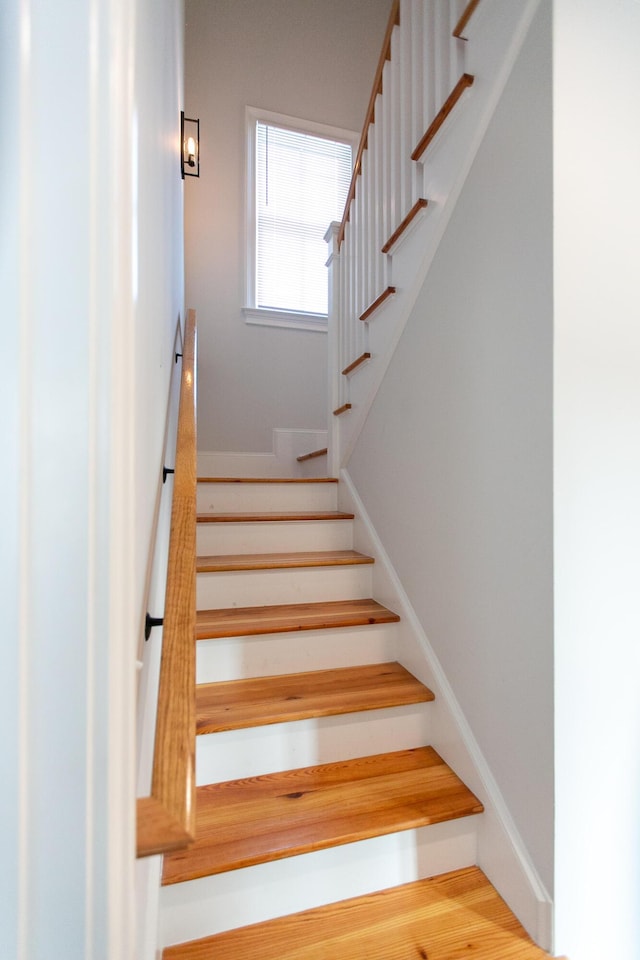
x,y
394,18
166,819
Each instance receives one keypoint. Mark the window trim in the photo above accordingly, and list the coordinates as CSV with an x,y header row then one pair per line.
x,y
267,316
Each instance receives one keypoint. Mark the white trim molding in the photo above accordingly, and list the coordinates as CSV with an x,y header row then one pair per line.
x,y
290,319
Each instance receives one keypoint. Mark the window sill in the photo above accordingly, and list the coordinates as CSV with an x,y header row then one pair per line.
x,y
263,317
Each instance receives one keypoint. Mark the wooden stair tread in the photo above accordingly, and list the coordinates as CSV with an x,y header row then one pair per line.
x,y
288,617
267,479
371,309
260,819
280,516
458,31
466,80
322,452
237,704
279,561
419,205
457,914
356,363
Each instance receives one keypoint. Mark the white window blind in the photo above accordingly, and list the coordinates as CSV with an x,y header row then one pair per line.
x,y
302,182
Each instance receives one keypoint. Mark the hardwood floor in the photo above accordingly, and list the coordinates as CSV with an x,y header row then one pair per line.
x,y
288,617
238,704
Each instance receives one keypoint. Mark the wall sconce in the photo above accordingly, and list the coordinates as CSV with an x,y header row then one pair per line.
x,y
190,146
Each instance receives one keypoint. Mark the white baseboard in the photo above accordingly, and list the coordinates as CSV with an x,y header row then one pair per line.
x,y
288,444
501,852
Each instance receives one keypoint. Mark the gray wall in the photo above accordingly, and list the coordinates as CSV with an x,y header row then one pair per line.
x,y
454,463
303,58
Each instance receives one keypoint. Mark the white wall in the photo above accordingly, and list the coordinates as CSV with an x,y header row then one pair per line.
x,y
597,477
303,58
454,463
91,278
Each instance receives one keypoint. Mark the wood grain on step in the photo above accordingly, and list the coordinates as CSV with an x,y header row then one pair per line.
x,y
457,914
256,820
238,704
279,516
290,617
267,479
278,561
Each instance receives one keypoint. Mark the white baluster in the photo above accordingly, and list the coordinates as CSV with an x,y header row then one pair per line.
x,y
353,255
429,108
344,276
362,233
370,239
334,335
356,250
443,42
404,104
371,210
385,144
417,92
458,47
346,268
365,258
394,93
375,146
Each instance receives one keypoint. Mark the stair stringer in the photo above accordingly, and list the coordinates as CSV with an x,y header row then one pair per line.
x,y
501,852
496,34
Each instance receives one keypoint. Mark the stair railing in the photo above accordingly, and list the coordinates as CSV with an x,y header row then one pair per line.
x,y
166,818
421,68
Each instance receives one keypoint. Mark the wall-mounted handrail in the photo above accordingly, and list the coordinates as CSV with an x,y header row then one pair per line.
x,y
385,54
166,818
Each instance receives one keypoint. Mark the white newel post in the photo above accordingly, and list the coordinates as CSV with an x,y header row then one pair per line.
x,y
334,392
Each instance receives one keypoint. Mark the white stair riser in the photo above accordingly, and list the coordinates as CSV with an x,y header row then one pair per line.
x,y
200,908
273,537
265,497
252,588
235,658
236,754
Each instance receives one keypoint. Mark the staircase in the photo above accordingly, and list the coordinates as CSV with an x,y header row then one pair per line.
x,y
327,826
443,68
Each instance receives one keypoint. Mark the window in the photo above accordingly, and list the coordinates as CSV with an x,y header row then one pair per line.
x,y
299,176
